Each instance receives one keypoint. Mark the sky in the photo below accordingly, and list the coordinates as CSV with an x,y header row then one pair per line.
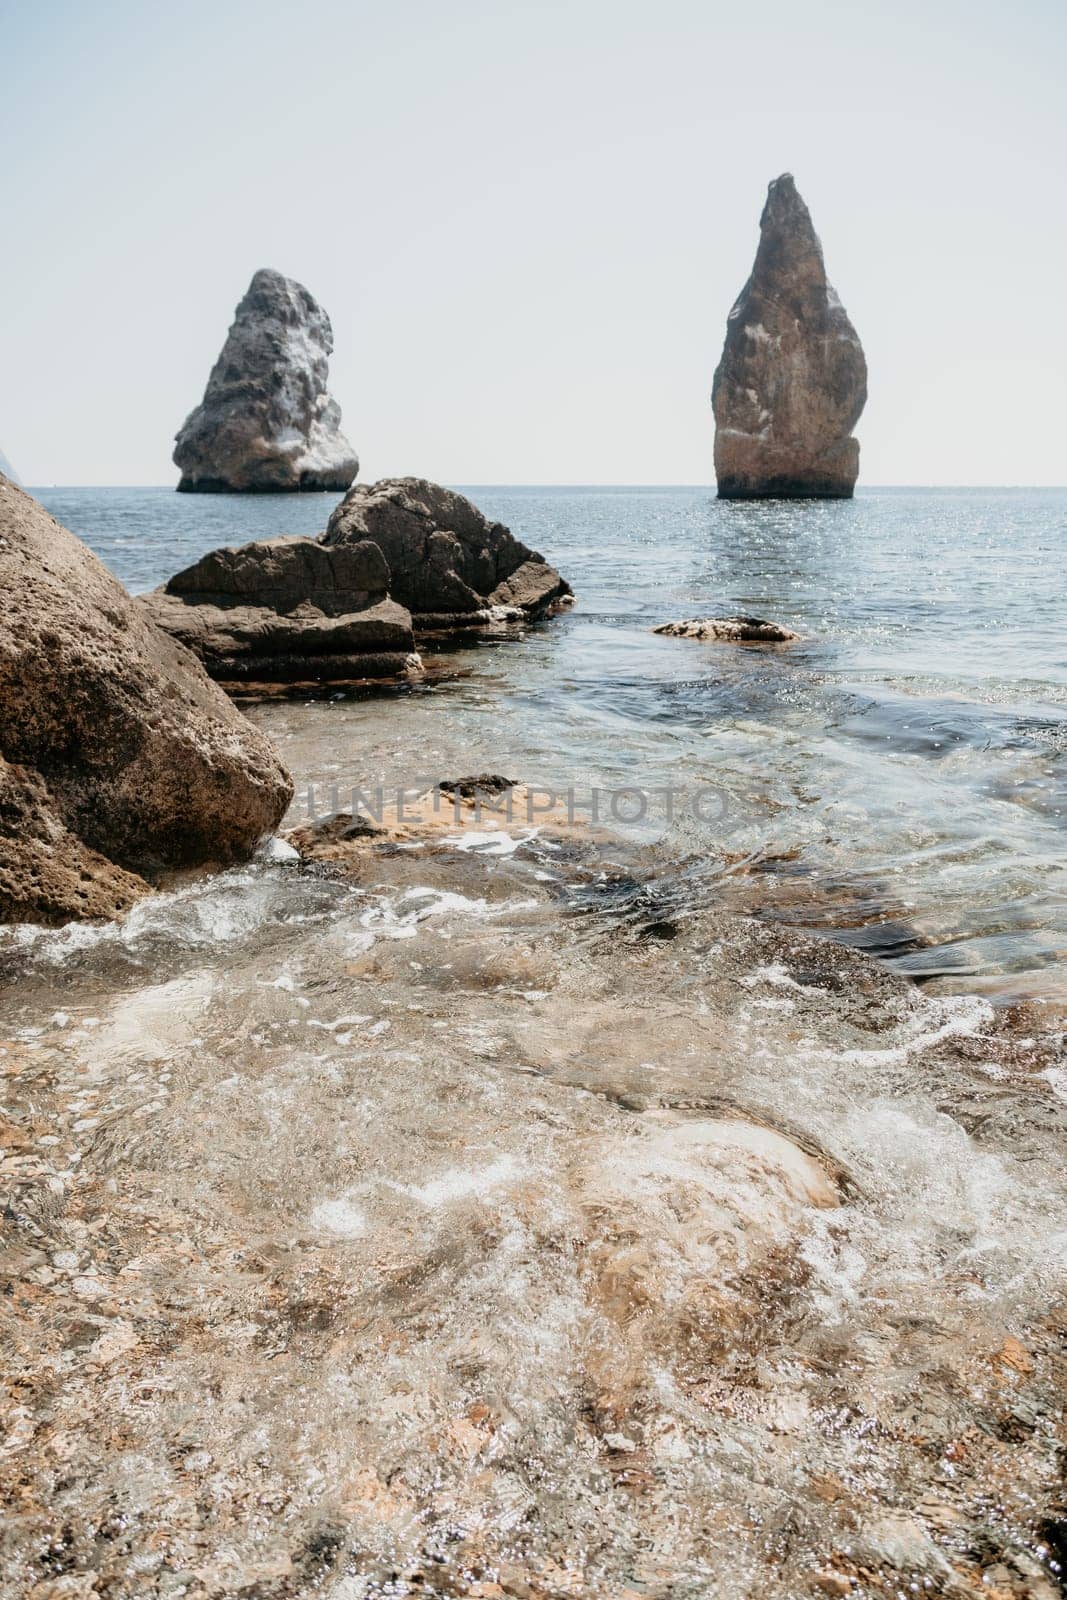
x,y
528,223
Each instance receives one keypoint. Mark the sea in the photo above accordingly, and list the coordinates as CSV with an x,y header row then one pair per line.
x,y
902,772
669,1206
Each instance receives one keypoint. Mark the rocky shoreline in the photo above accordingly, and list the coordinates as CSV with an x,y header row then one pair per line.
x,y
445,1202
456,1198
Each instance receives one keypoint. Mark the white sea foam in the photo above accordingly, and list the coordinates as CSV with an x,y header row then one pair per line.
x,y
493,842
399,917
276,851
462,1182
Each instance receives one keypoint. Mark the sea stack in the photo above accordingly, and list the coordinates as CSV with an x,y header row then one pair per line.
x,y
792,380
267,422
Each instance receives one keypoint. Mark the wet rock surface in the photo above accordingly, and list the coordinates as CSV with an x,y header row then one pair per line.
x,y
730,630
413,1226
267,422
289,610
130,752
792,379
448,563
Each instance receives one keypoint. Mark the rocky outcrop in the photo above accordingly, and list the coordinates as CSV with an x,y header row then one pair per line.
x,y
730,630
792,380
267,422
448,563
399,558
119,751
288,611
7,470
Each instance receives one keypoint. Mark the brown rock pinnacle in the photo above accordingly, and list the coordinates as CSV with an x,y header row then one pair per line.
x,y
792,380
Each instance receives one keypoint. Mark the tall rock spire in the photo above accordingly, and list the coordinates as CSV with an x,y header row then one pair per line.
x,y
267,421
792,380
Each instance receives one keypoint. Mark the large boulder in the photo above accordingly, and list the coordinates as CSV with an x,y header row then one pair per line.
x,y
46,873
447,562
118,748
267,422
792,380
288,610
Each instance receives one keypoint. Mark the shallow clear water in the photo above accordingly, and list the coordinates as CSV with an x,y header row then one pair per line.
x,y
903,769
550,1216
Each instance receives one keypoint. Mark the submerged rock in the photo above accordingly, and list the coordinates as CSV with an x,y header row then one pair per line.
x,y
119,750
289,610
730,630
792,380
461,814
267,422
447,562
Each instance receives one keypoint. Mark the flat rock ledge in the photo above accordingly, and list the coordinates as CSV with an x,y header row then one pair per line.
x,y
486,812
730,630
289,611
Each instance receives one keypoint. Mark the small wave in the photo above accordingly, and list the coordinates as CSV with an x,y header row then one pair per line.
x,y
399,917
211,912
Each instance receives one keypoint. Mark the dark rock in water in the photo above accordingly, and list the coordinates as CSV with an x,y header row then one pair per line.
x,y
287,572
730,630
792,380
289,610
448,563
340,828
131,757
335,609
266,422
486,783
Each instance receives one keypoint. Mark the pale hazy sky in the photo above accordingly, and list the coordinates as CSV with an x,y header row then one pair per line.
x,y
528,223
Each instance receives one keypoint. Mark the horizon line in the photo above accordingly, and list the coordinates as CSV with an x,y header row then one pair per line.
x,y
302,494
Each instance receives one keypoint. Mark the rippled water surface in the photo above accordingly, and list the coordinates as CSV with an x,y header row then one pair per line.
x,y
904,769
541,1212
